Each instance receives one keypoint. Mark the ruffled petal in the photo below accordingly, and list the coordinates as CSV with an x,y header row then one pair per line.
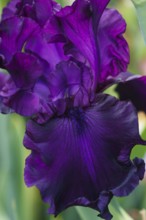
x,y
68,79
25,69
51,52
79,23
76,157
14,32
114,51
134,90
38,10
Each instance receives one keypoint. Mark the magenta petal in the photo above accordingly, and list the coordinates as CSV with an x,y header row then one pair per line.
x,y
76,157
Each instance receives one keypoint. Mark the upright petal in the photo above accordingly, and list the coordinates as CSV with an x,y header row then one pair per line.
x,y
76,157
114,52
79,23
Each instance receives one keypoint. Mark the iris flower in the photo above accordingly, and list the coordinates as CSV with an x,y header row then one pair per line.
x,y
60,61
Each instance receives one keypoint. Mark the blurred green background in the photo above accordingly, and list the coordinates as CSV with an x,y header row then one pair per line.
x,y
17,202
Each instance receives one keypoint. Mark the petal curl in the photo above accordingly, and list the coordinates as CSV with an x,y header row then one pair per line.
x,y
76,157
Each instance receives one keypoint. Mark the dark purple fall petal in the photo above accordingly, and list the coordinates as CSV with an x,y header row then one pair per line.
x,y
135,91
75,157
123,77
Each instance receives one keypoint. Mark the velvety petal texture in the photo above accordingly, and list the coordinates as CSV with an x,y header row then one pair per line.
x,y
75,157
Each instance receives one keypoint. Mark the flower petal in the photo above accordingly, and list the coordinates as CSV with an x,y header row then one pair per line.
x,y
24,103
79,23
51,52
135,91
76,157
10,9
114,52
68,78
3,108
14,32
38,10
25,69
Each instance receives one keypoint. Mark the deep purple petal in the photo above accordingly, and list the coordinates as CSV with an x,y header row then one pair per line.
x,y
51,52
134,90
14,32
24,103
10,9
114,52
79,23
38,10
25,69
68,79
76,157
123,77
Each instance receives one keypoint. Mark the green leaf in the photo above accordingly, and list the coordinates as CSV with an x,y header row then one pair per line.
x,y
140,6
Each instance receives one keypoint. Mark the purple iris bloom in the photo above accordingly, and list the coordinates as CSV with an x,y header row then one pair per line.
x,y
60,60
